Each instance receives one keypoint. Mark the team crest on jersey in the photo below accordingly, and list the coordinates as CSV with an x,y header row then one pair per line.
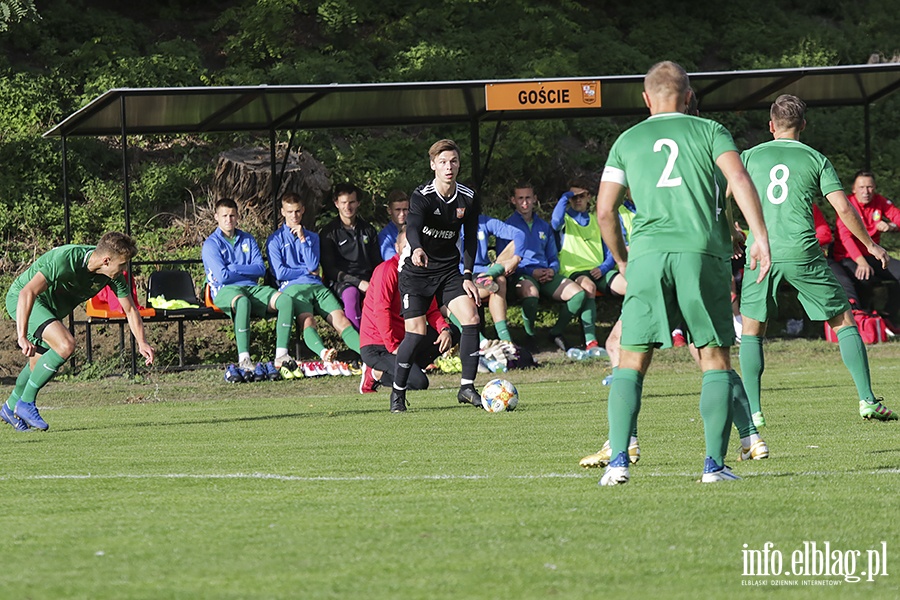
x,y
461,212
876,216
542,235
245,247
480,235
365,239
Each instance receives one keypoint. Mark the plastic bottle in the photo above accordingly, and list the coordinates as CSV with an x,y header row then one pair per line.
x,y
597,352
495,366
575,353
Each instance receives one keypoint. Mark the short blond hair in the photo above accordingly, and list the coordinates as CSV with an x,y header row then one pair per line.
x,y
788,112
118,244
667,78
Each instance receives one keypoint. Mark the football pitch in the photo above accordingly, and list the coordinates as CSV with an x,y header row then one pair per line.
x,y
183,486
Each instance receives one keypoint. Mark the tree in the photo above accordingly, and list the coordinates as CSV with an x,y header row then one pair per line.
x,y
13,11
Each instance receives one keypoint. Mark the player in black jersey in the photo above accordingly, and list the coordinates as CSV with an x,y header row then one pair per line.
x,y
429,268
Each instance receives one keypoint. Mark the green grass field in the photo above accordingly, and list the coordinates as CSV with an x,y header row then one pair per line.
x,y
185,487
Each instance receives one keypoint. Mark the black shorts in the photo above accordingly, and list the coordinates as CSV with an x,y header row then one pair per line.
x,y
417,290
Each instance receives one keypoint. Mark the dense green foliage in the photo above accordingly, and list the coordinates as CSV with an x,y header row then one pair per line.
x,y
183,486
77,49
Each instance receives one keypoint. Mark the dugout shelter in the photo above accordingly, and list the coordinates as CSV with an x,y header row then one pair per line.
x,y
125,112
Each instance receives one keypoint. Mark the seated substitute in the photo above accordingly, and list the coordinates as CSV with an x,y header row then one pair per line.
x,y
855,266
294,253
349,252
583,257
233,265
47,292
538,271
490,277
397,208
382,330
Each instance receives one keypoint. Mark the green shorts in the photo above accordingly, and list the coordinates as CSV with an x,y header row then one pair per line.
x,y
259,296
313,298
40,317
669,289
603,284
819,292
546,289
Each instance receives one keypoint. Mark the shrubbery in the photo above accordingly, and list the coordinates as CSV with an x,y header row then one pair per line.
x,y
79,48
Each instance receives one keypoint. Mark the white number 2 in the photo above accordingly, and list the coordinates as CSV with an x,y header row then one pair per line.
x,y
666,179
777,190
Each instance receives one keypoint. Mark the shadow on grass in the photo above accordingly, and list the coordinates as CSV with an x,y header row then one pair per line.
x,y
278,417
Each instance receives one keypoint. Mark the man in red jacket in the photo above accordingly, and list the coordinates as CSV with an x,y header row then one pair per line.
x,y
382,329
854,263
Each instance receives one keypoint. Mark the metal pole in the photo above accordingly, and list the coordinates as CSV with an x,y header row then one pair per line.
x,y
68,228
272,141
867,127
65,182
474,133
127,194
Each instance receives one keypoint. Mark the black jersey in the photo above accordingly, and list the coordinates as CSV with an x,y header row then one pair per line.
x,y
433,224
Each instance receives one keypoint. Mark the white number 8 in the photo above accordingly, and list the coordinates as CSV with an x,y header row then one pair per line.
x,y
777,190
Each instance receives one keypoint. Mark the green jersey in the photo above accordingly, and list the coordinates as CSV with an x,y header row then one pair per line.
x,y
789,176
70,283
668,163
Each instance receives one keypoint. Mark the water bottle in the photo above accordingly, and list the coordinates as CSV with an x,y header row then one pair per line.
x,y
597,352
575,353
495,366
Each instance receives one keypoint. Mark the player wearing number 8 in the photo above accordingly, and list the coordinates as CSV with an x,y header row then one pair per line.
x,y
790,176
678,262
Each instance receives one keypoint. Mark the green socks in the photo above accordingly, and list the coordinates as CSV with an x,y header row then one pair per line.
x,y
351,338
313,341
284,320
715,408
570,307
529,314
743,418
241,309
495,271
502,331
623,407
589,318
752,366
19,389
44,370
853,353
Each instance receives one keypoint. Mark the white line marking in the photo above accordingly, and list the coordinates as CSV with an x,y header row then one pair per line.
x,y
593,474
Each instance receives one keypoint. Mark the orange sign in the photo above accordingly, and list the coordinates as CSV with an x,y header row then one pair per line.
x,y
546,95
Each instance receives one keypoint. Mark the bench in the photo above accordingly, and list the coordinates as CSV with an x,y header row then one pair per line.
x,y
173,284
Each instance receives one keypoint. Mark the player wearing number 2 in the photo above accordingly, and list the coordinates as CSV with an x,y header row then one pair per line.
x,y
678,263
789,176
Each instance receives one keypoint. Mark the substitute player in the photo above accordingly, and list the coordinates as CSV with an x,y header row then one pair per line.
x,y
294,254
678,263
47,292
233,265
789,176
429,268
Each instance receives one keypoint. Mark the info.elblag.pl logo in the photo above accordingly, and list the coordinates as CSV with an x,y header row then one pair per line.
x,y
820,560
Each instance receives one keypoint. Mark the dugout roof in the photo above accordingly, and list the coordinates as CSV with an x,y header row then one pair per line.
x,y
131,111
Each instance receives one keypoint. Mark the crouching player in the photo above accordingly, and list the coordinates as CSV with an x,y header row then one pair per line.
x,y
47,292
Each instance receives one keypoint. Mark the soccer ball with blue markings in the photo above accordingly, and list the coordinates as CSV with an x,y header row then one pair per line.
x,y
499,395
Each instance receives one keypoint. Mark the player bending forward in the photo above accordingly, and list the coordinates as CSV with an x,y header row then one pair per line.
x,y
47,292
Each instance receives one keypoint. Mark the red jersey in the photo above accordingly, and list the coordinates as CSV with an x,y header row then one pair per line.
x,y
878,208
381,323
823,229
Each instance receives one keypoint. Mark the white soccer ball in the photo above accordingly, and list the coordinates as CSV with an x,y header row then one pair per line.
x,y
499,395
